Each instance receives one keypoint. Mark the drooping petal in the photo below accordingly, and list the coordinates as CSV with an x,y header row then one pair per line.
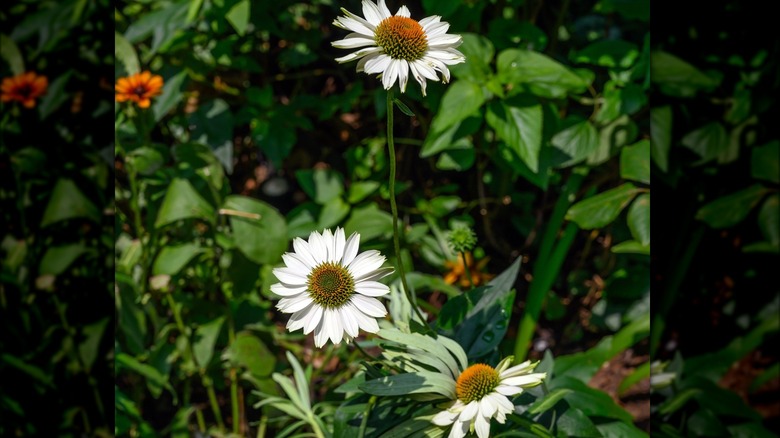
x,y
349,322
445,418
482,427
371,288
365,322
369,306
471,410
313,319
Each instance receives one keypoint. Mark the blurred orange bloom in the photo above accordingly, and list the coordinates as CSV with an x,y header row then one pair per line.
x,y
139,88
24,88
457,273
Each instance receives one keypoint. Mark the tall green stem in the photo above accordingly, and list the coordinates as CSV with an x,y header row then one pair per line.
x,y
468,271
394,208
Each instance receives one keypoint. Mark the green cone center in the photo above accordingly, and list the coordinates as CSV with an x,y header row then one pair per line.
x,y
401,38
330,285
476,382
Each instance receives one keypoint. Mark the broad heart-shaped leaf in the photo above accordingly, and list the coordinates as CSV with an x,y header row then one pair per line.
x,y
68,202
462,99
333,213
765,162
520,127
635,162
639,219
708,142
590,401
182,201
479,52
205,340
599,210
731,209
172,258
238,16
370,222
261,240
661,136
677,77
541,74
249,352
577,141
485,325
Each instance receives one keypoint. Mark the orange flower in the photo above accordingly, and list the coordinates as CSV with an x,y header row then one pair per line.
x,y
24,88
458,274
139,88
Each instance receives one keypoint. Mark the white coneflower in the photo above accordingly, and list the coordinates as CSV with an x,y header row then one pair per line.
x,y
394,45
329,288
483,393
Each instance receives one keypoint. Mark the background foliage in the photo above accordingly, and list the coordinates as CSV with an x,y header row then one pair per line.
x,y
539,143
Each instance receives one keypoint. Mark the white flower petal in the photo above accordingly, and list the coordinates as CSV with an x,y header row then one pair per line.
x,y
293,304
350,249
508,390
371,288
369,306
471,410
383,10
299,318
528,379
296,263
338,244
359,54
284,290
524,368
427,21
403,74
289,276
312,319
378,64
327,239
333,324
317,246
435,29
301,248
349,322
371,12
487,407
482,426
390,74
365,322
377,274
403,11
365,264
459,429
320,334
353,42
444,418
504,405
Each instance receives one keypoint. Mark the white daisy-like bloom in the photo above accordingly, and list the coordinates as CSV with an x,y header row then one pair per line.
x,y
392,46
483,393
329,288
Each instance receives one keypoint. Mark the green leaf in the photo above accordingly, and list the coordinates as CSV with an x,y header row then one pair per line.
x,y
485,325
631,247
402,106
769,218
677,77
639,219
441,357
262,240
89,348
541,74
453,137
460,157
55,95
212,124
619,429
322,185
125,53
661,136
577,141
411,383
68,202
31,370
630,9
132,318
598,211
768,375
125,361
574,423
58,258
520,127
171,96
462,99
370,222
182,201
145,160
730,210
709,142
238,16
172,258
548,401
359,190
249,352
765,162
635,162
479,52
205,341
640,373
609,53
10,52
162,25
590,401
333,213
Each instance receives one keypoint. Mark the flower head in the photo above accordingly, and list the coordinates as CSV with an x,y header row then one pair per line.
x,y
24,88
457,271
394,45
139,88
483,393
331,289
462,239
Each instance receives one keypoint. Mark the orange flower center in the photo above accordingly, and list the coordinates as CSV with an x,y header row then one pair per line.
x,y
401,38
476,382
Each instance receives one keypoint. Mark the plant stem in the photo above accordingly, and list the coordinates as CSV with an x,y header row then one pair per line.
x,y
366,414
394,209
468,271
